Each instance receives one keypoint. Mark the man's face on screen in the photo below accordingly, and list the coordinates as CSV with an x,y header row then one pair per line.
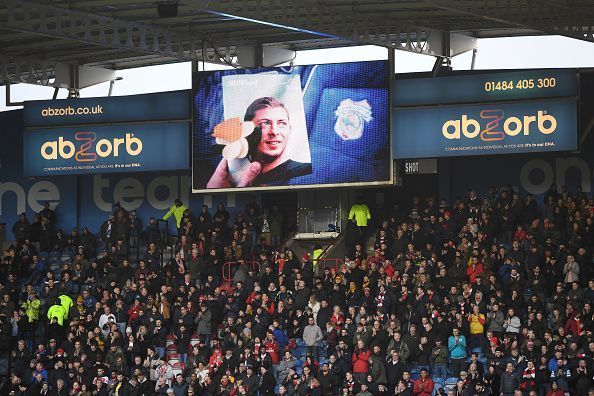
x,y
274,122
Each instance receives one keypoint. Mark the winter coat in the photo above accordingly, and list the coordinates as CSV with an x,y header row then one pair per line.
x,y
509,383
378,370
204,323
177,212
360,361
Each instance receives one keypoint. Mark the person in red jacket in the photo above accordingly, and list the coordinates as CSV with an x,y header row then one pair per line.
x,y
555,391
360,361
337,318
573,325
424,385
271,346
475,268
134,310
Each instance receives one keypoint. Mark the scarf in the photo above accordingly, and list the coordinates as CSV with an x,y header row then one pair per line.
x,y
529,373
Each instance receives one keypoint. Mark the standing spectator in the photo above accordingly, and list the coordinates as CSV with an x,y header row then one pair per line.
x,y
177,210
512,323
360,361
312,335
276,227
509,381
395,368
48,213
204,323
265,230
252,221
457,348
571,270
439,359
360,213
108,233
21,229
477,327
267,382
180,387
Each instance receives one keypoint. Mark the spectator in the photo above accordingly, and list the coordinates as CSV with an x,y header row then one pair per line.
x,y
439,359
21,229
512,323
424,385
509,381
457,348
361,357
312,335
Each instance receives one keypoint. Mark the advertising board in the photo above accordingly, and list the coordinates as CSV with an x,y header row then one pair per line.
x,y
503,128
105,149
114,134
485,87
491,113
162,106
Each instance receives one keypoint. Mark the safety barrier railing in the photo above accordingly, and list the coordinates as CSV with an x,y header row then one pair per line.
x,y
331,263
227,270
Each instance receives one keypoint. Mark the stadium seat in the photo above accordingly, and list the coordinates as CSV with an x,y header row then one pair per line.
x,y
438,383
173,357
171,350
450,383
178,368
170,340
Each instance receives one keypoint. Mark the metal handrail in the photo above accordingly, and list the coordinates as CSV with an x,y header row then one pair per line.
x,y
323,261
226,269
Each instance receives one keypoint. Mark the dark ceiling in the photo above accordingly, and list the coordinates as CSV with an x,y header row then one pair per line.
x,y
120,34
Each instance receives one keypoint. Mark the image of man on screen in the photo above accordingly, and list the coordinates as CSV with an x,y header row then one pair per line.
x,y
269,161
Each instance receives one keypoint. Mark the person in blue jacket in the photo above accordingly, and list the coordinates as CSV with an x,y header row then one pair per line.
x,y
457,348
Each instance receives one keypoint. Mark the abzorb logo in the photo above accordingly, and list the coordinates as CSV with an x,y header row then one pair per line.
x,y
86,150
497,126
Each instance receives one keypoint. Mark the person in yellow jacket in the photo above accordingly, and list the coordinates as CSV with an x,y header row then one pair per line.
x,y
360,214
317,253
477,322
67,303
32,307
177,210
57,311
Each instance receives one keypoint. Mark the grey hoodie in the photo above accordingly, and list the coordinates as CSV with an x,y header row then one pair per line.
x,y
312,334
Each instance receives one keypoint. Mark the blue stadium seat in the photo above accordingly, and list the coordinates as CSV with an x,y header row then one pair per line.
x,y
450,383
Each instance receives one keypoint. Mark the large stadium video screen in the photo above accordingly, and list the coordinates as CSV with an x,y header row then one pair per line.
x,y
291,127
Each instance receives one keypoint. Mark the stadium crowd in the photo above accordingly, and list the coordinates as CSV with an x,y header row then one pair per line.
x,y
486,295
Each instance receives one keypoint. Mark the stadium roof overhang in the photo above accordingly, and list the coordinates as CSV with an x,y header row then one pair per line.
x,y
37,38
